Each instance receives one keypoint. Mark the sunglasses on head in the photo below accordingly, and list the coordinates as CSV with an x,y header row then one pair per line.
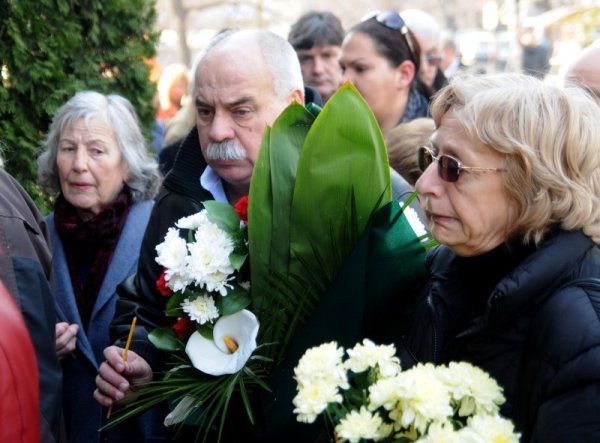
x,y
449,168
392,20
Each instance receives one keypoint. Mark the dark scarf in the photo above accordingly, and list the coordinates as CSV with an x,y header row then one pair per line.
x,y
416,107
89,246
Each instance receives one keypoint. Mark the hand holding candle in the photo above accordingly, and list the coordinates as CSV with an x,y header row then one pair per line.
x,y
127,344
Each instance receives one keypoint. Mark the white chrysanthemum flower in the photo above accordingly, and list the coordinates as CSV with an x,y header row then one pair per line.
x,y
423,398
440,433
414,221
384,393
358,425
369,355
472,389
324,363
208,263
488,428
177,281
313,398
202,309
172,254
193,221
320,374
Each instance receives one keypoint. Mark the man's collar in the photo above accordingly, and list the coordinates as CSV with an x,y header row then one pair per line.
x,y
211,181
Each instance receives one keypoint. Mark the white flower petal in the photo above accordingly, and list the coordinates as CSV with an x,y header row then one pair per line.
x,y
212,356
193,221
180,412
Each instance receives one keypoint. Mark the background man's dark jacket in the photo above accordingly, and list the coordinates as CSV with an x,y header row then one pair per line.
x,y
25,270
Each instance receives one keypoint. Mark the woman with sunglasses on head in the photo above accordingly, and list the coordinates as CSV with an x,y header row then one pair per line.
x,y
381,57
510,188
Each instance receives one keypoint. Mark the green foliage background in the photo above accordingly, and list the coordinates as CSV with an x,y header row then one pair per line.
x,y
50,49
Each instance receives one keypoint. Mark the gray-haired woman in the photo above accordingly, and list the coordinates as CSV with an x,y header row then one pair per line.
x,y
96,160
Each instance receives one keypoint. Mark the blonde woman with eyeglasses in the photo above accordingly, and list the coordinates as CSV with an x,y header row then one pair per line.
x,y
510,188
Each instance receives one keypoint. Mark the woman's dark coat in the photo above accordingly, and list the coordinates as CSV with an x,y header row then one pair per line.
x,y
538,335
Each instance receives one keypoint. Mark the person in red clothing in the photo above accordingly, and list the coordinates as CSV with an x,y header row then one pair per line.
x,y
19,395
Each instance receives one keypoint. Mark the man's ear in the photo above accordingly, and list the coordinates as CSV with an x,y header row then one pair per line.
x,y
405,74
297,95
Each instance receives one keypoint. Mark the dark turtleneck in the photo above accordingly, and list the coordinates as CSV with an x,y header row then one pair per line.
x,y
473,280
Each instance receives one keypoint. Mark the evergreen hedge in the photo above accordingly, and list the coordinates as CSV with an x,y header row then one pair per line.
x,y
50,49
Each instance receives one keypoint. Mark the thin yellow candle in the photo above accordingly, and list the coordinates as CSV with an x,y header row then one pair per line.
x,y
133,322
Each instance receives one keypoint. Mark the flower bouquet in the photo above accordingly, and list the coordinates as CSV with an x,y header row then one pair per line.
x,y
319,208
367,397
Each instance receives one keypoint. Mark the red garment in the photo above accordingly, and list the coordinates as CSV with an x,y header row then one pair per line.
x,y
19,391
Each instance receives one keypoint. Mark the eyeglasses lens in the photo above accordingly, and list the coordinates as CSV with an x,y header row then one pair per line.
x,y
448,168
424,158
433,60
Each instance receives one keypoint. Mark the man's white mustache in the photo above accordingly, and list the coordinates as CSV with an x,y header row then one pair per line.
x,y
225,150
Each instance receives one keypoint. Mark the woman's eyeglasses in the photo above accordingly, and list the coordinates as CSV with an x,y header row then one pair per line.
x,y
449,168
392,20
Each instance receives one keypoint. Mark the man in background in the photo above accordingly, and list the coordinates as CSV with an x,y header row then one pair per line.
x,y
428,34
25,270
317,38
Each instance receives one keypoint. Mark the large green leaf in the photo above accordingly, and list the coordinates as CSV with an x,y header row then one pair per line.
x,y
314,187
343,177
271,191
165,339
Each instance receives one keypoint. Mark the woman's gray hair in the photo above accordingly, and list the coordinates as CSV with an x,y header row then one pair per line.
x,y
550,139
278,54
143,180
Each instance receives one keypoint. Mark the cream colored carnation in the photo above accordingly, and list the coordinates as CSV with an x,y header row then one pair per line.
x,y
322,363
423,398
368,355
489,429
313,398
440,433
472,389
360,425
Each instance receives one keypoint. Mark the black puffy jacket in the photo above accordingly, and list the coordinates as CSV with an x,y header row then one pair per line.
x,y
537,334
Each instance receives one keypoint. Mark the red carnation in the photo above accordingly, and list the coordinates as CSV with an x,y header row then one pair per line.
x,y
184,327
161,285
241,207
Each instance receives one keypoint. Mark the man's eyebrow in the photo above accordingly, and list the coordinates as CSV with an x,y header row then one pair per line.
x,y
199,102
241,101
237,102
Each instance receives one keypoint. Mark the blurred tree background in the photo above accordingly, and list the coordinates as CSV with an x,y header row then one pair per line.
x,y
50,49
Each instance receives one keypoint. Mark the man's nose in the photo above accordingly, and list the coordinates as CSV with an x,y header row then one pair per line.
x,y
318,65
221,128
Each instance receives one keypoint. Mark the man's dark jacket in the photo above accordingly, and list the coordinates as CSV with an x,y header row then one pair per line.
x,y
539,336
25,270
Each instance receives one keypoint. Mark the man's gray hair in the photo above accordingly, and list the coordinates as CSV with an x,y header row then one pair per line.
x,y
144,179
279,57
316,28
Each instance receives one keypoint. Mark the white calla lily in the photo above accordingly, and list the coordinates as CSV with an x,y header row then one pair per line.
x,y
213,357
